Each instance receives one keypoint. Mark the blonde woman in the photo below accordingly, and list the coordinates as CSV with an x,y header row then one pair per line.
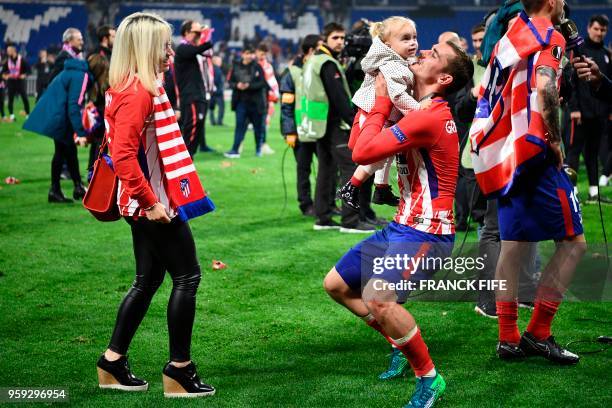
x,y
159,191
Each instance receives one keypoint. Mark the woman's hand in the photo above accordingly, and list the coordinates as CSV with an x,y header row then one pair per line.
x,y
381,86
157,213
81,141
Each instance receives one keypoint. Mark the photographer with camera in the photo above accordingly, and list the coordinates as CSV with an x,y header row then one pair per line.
x,y
358,42
328,115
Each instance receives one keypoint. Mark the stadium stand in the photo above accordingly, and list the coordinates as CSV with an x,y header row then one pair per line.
x,y
33,26
37,24
215,17
271,23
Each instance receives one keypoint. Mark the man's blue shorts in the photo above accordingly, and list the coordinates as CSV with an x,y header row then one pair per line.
x,y
541,206
366,259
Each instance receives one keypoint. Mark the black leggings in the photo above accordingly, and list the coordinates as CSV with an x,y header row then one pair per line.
x,y
157,248
64,153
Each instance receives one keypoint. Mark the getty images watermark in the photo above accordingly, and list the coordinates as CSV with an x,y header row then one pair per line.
x,y
408,266
441,271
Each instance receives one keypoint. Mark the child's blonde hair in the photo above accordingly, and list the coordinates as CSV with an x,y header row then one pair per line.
x,y
140,44
381,29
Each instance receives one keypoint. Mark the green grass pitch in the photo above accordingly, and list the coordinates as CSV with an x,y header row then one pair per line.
x,y
266,334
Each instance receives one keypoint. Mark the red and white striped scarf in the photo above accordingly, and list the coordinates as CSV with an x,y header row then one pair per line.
x,y
268,69
508,133
181,182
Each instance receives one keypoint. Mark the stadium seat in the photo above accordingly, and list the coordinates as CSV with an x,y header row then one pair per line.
x,y
34,26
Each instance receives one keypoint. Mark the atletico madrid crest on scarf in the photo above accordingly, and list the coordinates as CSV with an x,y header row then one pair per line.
x,y
508,132
182,184
185,187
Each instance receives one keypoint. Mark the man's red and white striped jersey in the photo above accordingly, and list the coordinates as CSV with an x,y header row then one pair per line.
x,y
427,155
130,129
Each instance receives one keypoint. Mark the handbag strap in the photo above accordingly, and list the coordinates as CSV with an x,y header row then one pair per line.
x,y
102,147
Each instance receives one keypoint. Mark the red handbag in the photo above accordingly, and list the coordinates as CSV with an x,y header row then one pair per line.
x,y
101,197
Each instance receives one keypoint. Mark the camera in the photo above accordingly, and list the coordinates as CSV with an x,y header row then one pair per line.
x,y
358,42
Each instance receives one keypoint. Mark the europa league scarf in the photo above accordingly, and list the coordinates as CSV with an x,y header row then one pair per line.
x,y
14,67
68,48
182,184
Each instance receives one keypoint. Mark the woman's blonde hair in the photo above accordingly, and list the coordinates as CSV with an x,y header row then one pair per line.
x,y
139,47
381,29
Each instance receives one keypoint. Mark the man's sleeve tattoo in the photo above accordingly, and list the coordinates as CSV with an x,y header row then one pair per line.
x,y
550,106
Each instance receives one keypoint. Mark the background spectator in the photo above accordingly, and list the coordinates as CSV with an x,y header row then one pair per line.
x,y
589,115
249,101
15,70
217,101
51,118
43,68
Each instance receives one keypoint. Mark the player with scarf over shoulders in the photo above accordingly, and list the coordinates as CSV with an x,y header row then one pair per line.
x,y
159,190
515,139
426,147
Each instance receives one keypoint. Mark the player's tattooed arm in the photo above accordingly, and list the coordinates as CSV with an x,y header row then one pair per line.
x,y
548,100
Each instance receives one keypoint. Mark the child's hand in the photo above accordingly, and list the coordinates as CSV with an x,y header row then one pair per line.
x,y
425,104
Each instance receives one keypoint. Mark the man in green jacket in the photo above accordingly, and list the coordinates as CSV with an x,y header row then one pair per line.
x,y
328,115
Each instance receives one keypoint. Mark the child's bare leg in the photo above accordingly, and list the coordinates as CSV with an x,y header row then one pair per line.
x,y
381,176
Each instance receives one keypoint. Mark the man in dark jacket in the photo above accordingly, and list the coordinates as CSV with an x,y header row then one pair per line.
x,y
190,84
588,114
468,201
72,48
216,99
291,94
58,116
43,68
14,71
248,100
100,55
106,38
588,71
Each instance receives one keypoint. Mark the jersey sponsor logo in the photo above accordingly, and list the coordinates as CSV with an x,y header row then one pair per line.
x,y
451,127
557,52
397,132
